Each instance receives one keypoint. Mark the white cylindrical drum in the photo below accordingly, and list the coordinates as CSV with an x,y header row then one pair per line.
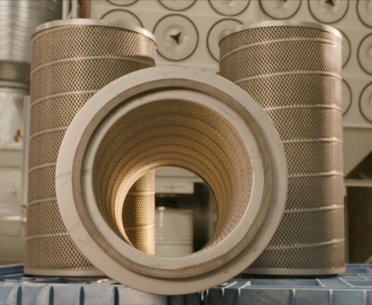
x,y
293,70
174,234
71,60
18,20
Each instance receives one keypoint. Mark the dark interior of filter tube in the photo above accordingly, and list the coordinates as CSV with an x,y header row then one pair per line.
x,y
163,137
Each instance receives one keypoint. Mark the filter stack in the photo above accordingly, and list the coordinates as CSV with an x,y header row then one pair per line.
x,y
293,69
71,60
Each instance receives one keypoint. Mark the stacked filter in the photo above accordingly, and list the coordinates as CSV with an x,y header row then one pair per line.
x,y
71,60
293,69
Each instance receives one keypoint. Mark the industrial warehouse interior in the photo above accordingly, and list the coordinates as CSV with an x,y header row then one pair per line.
x,y
186,152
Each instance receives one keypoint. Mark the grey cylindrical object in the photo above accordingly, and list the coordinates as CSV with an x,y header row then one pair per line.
x,y
293,69
71,61
17,21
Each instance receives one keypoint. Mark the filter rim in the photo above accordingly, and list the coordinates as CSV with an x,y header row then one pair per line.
x,y
94,22
277,23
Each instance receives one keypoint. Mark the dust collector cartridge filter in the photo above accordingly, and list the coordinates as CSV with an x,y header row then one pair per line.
x,y
171,116
293,69
71,60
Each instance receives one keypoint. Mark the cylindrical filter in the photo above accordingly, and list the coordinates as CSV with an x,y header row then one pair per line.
x,y
71,60
293,69
174,234
11,110
139,214
17,21
171,116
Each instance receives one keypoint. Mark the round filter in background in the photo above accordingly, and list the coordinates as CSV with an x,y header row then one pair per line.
x,y
120,15
346,97
328,11
280,9
177,5
365,103
229,7
122,2
215,32
365,54
177,37
346,49
172,116
365,12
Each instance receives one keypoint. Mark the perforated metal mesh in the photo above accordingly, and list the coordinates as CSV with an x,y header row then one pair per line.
x,y
69,64
294,72
174,133
139,214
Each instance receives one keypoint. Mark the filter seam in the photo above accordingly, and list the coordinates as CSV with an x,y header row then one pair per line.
x,y
268,42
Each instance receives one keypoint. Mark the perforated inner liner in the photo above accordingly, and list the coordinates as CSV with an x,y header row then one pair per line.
x,y
173,133
139,214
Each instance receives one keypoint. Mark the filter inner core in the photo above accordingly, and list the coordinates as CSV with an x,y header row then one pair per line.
x,y
180,134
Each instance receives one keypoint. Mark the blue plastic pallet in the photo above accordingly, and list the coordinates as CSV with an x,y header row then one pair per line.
x,y
351,288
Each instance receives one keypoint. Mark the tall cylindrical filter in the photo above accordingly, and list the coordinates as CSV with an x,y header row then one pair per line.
x,y
17,21
293,69
71,60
